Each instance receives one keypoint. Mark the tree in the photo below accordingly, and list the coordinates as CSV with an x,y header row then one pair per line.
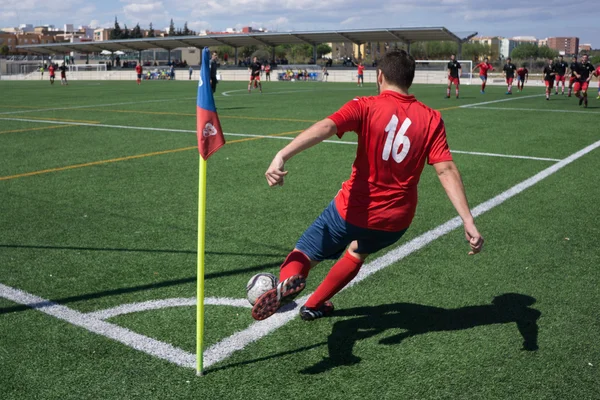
x,y
151,30
247,51
186,30
222,50
136,32
546,52
172,28
125,34
281,51
116,33
525,51
323,49
476,50
4,50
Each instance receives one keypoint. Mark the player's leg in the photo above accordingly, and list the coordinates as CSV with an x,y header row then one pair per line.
x,y
449,88
571,82
250,84
598,98
259,84
483,83
548,89
509,82
457,85
585,94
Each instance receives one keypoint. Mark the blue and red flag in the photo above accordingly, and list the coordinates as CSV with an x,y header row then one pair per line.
x,y
208,126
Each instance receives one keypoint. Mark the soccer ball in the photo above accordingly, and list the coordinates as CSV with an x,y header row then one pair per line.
x,y
260,284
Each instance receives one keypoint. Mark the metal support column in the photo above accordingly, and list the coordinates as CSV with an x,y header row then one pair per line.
x,y
169,56
236,56
315,53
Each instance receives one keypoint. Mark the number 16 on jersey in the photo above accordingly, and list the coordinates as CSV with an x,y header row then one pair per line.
x,y
395,139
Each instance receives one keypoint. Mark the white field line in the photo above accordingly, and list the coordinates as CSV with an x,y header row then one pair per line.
x,y
536,110
500,101
95,105
238,341
144,128
227,93
134,340
166,303
257,330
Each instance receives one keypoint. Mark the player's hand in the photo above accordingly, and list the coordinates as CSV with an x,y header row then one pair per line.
x,y
276,172
474,238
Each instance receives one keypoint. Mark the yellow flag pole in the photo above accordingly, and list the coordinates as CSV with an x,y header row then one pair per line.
x,y
200,272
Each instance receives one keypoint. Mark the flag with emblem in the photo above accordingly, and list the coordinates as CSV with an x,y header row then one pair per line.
x,y
208,127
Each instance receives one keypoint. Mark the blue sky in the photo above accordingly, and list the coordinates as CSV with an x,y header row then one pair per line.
x,y
502,17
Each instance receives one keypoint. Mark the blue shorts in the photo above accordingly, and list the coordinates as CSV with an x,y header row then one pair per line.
x,y
330,234
520,78
483,77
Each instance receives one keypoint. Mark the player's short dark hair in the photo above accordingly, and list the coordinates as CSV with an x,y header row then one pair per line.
x,y
508,59
398,67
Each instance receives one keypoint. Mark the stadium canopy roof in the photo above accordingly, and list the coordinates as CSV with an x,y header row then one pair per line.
x,y
405,35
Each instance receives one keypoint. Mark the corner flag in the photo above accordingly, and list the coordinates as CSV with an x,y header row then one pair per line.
x,y
208,127
210,139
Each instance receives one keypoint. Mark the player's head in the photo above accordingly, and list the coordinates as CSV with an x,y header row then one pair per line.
x,y
584,58
452,57
214,55
550,60
508,60
254,59
560,57
396,68
486,60
574,58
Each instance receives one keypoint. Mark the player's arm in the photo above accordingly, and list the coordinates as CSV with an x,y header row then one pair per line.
x,y
320,131
452,182
477,66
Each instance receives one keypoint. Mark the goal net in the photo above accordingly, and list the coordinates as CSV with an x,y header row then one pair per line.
x,y
87,71
436,71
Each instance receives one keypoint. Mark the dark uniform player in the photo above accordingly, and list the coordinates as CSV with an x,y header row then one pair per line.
x,y
63,74
572,68
509,73
584,72
549,73
213,72
255,69
454,72
561,69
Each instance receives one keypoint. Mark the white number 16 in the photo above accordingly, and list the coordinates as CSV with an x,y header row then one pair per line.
x,y
400,139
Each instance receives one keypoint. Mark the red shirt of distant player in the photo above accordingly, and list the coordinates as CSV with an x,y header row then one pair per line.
x,y
396,136
597,74
51,70
521,72
361,70
138,69
484,68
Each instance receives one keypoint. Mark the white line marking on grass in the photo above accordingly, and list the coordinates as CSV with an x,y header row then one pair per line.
x,y
166,303
95,105
134,340
238,341
536,109
227,93
144,128
500,101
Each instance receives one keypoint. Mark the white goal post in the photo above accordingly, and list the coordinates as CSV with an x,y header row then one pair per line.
x,y
436,71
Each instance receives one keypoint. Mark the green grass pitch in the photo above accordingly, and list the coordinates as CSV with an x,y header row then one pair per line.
x,y
98,209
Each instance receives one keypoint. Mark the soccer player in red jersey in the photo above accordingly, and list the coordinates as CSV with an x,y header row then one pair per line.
x,y
255,69
549,73
573,78
138,71
454,73
484,68
51,71
560,68
397,135
361,74
597,75
583,73
522,76
509,73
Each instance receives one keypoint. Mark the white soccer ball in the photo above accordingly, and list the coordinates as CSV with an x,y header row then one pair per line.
x,y
260,284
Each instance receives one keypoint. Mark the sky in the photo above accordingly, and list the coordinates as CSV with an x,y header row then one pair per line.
x,y
507,18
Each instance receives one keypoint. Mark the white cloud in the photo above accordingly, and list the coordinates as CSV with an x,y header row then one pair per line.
x,y
144,8
349,21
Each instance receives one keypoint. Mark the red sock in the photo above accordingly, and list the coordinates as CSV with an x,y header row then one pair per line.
x,y
338,277
296,263
483,86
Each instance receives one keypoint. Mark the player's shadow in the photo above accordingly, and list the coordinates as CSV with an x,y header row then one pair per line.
x,y
417,319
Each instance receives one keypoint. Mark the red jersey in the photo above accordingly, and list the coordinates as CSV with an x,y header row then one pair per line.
x,y
361,69
484,68
396,136
597,72
138,69
51,70
522,72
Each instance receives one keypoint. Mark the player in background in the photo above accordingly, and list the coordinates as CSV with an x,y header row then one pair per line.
x,y
52,72
254,75
549,74
573,78
560,68
522,77
138,71
42,72
396,136
268,72
484,68
454,73
597,75
509,74
583,73
63,74
361,73
213,71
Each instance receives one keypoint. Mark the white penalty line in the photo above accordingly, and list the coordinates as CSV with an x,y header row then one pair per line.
x,y
536,110
238,341
144,128
500,101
